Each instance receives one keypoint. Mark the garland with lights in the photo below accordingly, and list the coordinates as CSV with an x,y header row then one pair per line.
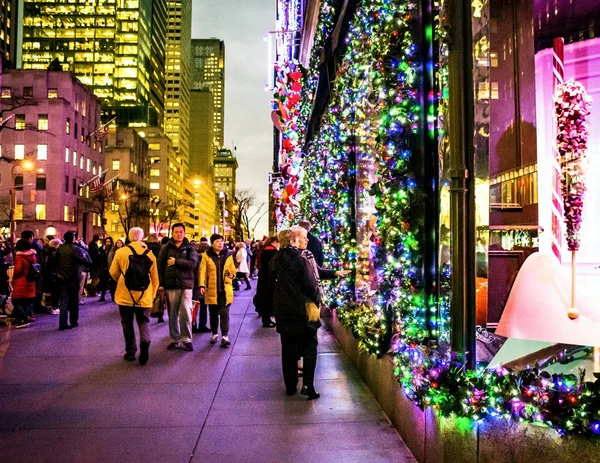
x,y
374,112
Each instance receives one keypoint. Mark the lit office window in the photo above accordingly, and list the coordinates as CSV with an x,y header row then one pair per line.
x,y
19,151
52,93
154,173
155,186
42,152
40,212
20,122
116,165
42,121
6,92
19,212
75,158
66,213
81,161
88,164
68,127
67,155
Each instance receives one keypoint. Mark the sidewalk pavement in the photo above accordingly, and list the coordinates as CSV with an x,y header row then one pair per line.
x,y
69,396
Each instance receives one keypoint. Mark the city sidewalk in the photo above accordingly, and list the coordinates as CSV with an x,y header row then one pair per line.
x,y
70,397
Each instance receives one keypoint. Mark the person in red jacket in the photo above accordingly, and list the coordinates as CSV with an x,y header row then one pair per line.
x,y
23,295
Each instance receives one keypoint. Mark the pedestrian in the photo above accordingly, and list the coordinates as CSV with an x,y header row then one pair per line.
x,y
29,236
176,264
216,277
104,270
95,251
24,293
135,271
49,278
154,245
73,262
241,259
112,284
264,291
314,244
295,291
203,308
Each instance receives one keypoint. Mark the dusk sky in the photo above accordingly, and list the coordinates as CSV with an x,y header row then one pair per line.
x,y
243,24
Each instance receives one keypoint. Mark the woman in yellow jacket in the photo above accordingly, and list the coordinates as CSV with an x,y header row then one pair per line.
x,y
134,303
216,275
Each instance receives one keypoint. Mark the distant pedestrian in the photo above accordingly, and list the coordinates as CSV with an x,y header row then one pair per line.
x,y
24,281
72,261
112,284
95,251
29,236
104,270
314,244
135,270
295,292
176,264
217,272
49,280
241,263
154,245
264,290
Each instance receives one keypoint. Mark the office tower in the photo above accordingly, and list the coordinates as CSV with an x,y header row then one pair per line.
x,y
202,137
225,172
49,142
208,72
8,29
108,45
177,97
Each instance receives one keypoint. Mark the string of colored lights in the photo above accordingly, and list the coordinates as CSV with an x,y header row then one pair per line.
x,y
374,110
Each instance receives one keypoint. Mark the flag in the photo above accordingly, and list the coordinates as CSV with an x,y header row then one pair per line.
x,y
110,185
102,132
97,184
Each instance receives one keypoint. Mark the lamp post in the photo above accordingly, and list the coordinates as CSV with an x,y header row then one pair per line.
x,y
26,166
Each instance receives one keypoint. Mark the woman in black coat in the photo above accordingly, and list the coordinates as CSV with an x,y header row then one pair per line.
x,y
264,291
294,285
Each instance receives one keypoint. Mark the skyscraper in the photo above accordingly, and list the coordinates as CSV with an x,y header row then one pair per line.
x,y
108,45
202,145
208,72
177,97
8,22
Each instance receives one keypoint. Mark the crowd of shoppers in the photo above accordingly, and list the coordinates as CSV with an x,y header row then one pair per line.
x,y
193,282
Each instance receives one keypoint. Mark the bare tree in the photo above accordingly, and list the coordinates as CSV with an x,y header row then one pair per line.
x,y
241,217
134,204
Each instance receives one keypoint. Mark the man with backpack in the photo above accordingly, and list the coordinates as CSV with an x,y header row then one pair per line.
x,y
176,264
134,270
71,261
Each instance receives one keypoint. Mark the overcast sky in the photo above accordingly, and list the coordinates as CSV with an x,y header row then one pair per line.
x,y
243,24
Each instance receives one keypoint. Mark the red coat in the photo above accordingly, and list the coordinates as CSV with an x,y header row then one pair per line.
x,y
23,289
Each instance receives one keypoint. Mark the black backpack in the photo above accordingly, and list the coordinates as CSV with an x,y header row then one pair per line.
x,y
137,276
34,273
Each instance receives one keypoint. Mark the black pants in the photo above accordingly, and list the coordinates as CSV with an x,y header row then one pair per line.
x,y
202,314
142,316
243,276
293,347
68,302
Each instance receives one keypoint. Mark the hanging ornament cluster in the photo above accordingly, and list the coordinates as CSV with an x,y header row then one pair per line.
x,y
285,111
572,106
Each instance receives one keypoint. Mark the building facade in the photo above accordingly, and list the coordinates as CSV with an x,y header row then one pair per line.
x,y
51,152
127,203
207,208
202,135
165,183
177,97
226,165
108,45
8,32
208,73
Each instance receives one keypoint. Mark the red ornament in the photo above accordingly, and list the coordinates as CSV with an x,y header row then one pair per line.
x,y
295,76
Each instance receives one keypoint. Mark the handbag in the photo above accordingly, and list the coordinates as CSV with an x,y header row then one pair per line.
x,y
312,312
158,306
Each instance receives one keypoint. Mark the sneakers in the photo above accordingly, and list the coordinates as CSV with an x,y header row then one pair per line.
x,y
130,357
173,345
21,325
188,346
214,338
144,347
225,341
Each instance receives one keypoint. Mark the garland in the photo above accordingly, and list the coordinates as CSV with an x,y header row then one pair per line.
x,y
374,112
